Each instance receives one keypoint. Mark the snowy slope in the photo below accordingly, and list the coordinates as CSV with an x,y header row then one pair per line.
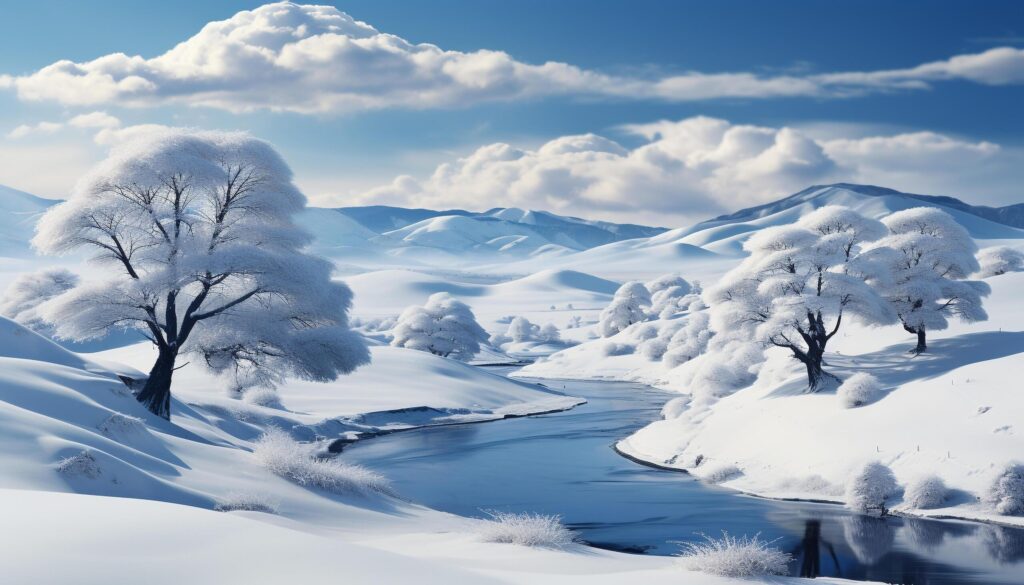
x,y
18,214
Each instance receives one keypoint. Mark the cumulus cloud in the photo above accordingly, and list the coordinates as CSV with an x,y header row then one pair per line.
x,y
315,59
91,121
687,170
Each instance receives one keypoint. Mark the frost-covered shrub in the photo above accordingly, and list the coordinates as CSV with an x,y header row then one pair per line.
x,y
689,341
735,557
122,425
999,260
262,396
520,329
21,299
613,348
926,492
1006,492
628,306
82,464
870,488
284,456
675,408
653,349
444,326
549,333
247,502
858,390
724,369
538,530
720,473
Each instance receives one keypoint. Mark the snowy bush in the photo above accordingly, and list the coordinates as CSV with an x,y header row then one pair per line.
x,y
671,294
627,307
538,530
926,492
689,341
262,396
520,330
999,260
858,390
870,488
735,557
21,299
653,349
613,348
83,464
247,502
121,425
444,326
1006,492
720,473
286,457
549,333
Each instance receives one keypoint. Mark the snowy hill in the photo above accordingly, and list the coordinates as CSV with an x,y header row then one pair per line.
x,y
725,234
18,214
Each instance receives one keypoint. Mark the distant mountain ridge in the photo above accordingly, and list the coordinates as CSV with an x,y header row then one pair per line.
x,y
584,233
1011,215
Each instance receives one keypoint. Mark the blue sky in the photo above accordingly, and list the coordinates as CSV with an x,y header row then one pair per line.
x,y
349,154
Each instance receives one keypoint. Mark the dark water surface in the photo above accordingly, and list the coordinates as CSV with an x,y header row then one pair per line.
x,y
564,464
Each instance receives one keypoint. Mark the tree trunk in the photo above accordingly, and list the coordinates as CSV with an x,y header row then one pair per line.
x,y
817,377
922,344
156,394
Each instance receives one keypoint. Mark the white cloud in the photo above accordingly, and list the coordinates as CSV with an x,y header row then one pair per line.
x,y
693,168
318,59
95,120
90,121
29,129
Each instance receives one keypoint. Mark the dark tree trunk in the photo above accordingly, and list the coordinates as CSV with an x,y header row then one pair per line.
x,y
156,394
815,373
922,344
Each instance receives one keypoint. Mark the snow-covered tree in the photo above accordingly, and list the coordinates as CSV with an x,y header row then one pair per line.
x,y
931,257
800,283
999,260
21,300
444,326
628,306
200,252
